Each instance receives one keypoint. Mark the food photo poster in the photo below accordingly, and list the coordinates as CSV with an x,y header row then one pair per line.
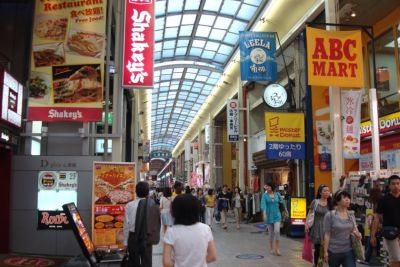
x,y
67,61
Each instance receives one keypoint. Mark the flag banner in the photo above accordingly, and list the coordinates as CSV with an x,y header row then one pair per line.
x,y
351,118
334,58
66,78
284,135
257,56
138,57
233,120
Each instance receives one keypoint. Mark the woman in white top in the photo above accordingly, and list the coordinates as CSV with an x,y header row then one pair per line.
x,y
237,204
188,242
165,208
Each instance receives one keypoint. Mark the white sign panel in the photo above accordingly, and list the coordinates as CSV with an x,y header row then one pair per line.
x,y
232,109
389,160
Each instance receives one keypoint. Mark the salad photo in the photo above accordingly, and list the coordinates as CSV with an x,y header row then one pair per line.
x,y
39,85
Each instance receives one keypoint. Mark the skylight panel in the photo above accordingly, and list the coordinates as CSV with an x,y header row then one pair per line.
x,y
159,23
181,51
190,76
237,26
202,78
183,43
217,34
224,49
177,75
173,21
169,44
160,8
192,5
186,30
158,36
171,32
203,31
212,46
188,19
246,12
212,5
223,22
230,7
175,6
220,58
199,43
207,20
231,38
157,55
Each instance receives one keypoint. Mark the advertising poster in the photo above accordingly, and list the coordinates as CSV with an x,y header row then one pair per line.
x,y
351,118
232,111
67,61
257,56
113,187
55,188
11,98
138,57
284,135
298,208
334,58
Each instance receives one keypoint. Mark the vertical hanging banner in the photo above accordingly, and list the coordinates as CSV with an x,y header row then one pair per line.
x,y
113,187
138,60
232,110
284,135
66,78
351,118
334,58
257,56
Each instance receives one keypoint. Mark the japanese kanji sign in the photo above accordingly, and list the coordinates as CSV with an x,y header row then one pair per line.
x,y
284,135
233,120
351,117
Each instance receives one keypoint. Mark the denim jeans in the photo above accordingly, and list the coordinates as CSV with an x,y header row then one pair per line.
x,y
345,259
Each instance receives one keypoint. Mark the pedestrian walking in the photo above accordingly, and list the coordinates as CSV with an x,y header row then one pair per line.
x,y
319,206
202,203
141,227
188,242
210,205
272,216
223,205
338,226
237,204
388,213
165,208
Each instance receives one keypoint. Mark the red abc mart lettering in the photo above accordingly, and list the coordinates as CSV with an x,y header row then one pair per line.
x,y
328,61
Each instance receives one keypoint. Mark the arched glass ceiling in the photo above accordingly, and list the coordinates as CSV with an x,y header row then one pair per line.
x,y
194,40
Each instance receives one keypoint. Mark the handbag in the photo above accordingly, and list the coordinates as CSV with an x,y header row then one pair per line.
x,y
356,244
390,232
311,215
307,254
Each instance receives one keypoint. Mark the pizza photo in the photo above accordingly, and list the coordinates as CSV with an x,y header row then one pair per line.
x,y
77,84
51,28
83,43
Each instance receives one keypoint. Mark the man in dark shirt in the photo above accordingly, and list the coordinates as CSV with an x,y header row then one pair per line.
x,y
388,213
223,204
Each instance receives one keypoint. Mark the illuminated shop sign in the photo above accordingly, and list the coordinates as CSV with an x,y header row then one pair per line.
x,y
386,123
138,59
11,99
232,111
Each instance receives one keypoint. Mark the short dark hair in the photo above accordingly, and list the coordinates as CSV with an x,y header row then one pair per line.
x,y
167,192
272,185
210,191
177,184
393,177
185,209
339,195
142,189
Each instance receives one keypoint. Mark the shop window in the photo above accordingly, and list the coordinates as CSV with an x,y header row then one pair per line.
x,y
386,73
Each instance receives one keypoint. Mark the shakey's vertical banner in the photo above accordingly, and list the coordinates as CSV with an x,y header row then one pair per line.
x,y
334,58
138,60
66,79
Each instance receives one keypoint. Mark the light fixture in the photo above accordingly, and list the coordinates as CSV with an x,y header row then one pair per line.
x,y
353,14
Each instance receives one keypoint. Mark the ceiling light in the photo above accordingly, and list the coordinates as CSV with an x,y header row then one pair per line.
x,y
353,14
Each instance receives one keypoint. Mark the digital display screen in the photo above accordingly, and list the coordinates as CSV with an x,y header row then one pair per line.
x,y
79,228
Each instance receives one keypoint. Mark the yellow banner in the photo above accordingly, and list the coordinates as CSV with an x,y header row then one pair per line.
x,y
334,58
284,127
298,208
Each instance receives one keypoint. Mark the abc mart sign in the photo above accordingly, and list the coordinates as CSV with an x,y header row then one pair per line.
x,y
386,123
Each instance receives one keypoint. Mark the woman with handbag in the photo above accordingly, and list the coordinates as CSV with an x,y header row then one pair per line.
x,y
315,218
272,214
339,225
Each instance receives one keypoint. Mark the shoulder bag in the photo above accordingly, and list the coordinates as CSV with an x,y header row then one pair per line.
x,y
390,232
356,243
311,215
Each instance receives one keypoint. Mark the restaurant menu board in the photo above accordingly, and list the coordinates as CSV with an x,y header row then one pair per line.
x,y
113,187
66,78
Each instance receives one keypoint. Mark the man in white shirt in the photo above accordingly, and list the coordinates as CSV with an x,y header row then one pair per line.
x,y
141,227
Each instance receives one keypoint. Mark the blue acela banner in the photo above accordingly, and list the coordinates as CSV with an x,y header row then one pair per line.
x,y
257,56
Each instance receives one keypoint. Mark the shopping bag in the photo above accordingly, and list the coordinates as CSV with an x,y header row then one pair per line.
x,y
307,249
358,247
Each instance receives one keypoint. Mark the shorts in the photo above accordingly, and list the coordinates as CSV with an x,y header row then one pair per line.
x,y
393,248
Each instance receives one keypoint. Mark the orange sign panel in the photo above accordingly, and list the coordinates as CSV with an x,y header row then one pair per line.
x,y
334,58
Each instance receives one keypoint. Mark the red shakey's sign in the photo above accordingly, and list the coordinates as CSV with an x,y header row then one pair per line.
x,y
138,44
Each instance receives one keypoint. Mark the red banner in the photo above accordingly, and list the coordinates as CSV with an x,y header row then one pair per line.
x,y
64,114
138,44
